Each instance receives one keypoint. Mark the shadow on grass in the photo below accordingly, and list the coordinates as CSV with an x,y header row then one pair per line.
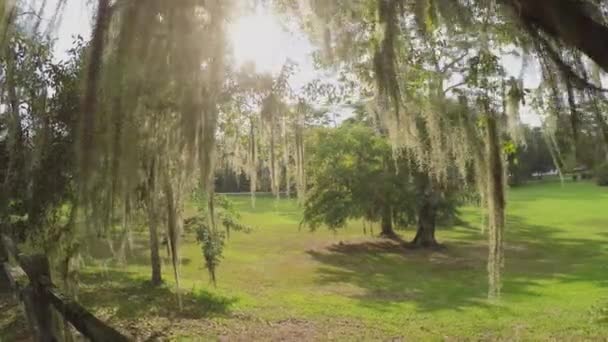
x,y
455,277
129,297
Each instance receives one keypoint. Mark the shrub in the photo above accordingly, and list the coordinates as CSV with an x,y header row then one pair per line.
x,y
601,175
207,230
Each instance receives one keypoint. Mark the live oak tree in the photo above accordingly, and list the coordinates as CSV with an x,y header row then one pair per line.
x,y
353,174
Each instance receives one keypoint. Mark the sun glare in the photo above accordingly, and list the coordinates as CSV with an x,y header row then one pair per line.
x,y
258,38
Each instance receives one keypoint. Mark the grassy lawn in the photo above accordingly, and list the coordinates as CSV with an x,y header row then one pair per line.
x,y
282,283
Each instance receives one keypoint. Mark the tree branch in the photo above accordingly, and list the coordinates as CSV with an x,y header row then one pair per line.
x,y
545,50
453,62
567,21
454,86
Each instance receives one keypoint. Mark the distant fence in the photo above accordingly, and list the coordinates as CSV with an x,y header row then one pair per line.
x,y
30,278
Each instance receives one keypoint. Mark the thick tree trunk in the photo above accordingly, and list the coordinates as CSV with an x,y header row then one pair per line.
x,y
387,223
426,212
496,207
427,216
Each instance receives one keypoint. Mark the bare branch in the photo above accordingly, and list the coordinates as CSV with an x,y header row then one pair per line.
x,y
454,62
454,86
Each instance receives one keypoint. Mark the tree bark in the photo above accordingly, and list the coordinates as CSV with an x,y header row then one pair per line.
x,y
154,247
427,217
125,240
426,211
253,175
274,177
174,222
566,20
387,223
286,160
153,220
496,207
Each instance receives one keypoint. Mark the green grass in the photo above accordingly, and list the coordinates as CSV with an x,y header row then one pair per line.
x,y
279,282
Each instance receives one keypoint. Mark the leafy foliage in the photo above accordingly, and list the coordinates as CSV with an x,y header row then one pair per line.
x,y
352,175
218,211
37,145
212,244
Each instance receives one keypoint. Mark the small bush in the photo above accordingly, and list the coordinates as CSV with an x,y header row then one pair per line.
x,y
601,175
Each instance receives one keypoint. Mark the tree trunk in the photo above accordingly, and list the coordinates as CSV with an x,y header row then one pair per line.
x,y
496,207
274,177
286,159
121,255
387,223
253,175
153,220
427,215
125,239
428,199
174,225
566,20
154,247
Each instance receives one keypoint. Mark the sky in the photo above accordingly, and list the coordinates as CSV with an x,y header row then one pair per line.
x,y
76,20
260,37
